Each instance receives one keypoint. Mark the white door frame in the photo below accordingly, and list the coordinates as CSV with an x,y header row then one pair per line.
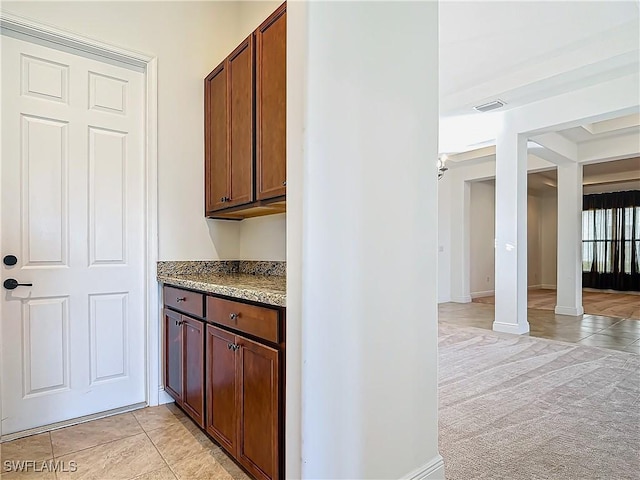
x,y
38,33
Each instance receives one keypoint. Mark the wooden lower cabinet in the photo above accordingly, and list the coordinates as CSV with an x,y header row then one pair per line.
x,y
221,419
243,399
173,354
193,368
184,363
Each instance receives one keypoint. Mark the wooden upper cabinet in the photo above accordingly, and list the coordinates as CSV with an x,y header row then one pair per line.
x,y
216,152
271,105
245,126
241,105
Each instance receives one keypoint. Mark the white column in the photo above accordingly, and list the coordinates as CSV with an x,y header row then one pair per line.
x,y
370,242
511,233
569,280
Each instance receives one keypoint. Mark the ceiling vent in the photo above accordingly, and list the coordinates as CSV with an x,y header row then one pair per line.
x,y
487,107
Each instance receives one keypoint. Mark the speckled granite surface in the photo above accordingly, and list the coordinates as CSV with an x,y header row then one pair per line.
x,y
223,266
230,278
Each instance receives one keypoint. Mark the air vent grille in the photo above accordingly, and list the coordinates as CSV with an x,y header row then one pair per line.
x,y
487,107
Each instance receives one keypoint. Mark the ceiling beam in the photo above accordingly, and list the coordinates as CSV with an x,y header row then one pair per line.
x,y
560,150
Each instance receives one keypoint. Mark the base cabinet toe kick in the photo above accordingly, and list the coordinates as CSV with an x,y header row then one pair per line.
x,y
224,366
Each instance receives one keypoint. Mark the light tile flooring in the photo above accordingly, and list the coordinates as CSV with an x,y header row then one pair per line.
x,y
594,330
158,443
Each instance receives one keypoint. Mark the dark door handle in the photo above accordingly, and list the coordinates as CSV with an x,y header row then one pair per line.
x,y
11,283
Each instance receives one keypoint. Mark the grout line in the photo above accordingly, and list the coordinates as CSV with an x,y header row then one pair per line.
x,y
92,446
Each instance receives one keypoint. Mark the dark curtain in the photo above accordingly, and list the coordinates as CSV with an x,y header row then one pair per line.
x,y
611,241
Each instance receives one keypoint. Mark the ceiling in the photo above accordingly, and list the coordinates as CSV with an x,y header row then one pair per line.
x,y
616,127
522,52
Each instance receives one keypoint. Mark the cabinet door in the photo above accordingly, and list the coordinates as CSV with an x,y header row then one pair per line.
x,y
258,398
216,140
271,105
193,371
241,101
221,421
173,354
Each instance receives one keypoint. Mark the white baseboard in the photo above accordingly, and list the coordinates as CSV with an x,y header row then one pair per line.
x,y
514,328
164,397
534,287
572,311
548,286
464,299
486,293
433,470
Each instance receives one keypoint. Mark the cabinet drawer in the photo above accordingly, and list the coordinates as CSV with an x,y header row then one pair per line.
x,y
183,300
258,321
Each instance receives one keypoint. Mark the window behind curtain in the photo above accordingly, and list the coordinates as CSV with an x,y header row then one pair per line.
x,y
611,240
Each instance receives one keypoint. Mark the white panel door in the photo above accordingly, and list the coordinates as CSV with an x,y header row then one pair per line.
x,y
72,213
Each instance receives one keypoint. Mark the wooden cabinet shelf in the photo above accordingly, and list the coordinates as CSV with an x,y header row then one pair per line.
x,y
245,126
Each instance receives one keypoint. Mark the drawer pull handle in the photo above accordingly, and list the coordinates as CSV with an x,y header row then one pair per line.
x,y
181,299
229,346
233,316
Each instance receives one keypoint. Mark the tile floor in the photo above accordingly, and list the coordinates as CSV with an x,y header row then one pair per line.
x,y
594,330
158,443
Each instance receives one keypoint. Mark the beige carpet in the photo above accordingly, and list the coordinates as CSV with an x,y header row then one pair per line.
x,y
522,408
621,305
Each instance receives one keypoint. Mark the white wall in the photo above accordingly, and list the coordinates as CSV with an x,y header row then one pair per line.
x,y
263,238
369,400
252,13
482,241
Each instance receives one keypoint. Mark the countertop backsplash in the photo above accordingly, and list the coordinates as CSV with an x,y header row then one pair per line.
x,y
248,267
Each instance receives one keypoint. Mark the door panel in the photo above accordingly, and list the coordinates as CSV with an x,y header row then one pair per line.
x,y
193,359
221,387
44,178
45,346
258,402
107,196
271,120
241,98
108,322
216,156
72,211
173,354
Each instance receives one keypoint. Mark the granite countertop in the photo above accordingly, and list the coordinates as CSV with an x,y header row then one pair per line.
x,y
268,289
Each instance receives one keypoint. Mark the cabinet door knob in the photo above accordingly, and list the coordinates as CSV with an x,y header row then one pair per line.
x,y
284,184
235,347
233,316
181,299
